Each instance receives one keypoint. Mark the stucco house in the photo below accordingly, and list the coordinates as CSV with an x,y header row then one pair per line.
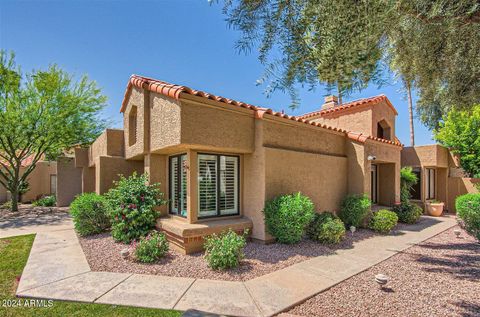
x,y
42,181
219,160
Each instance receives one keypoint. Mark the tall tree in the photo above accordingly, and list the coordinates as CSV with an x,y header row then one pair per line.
x,y
349,42
42,113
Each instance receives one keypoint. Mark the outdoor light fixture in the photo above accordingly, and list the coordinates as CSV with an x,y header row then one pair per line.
x,y
381,279
371,157
457,233
353,229
125,253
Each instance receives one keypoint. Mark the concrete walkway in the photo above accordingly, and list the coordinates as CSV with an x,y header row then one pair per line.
x,y
35,223
57,269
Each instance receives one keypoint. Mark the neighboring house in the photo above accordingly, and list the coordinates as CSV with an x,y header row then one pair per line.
x,y
439,173
219,160
42,181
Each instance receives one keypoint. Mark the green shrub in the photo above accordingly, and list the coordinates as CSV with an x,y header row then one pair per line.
x,y
151,248
326,228
288,216
90,214
354,210
6,205
224,251
408,212
132,203
383,221
468,210
407,180
47,201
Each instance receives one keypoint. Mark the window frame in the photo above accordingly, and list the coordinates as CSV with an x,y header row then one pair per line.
x,y
56,187
179,185
218,215
427,194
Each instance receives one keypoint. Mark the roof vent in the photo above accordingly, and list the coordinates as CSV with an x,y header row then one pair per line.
x,y
330,102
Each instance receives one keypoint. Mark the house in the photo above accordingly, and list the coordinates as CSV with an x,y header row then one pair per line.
x,y
219,160
42,181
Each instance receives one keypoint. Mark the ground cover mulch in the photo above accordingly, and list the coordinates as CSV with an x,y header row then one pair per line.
x,y
29,211
439,277
103,254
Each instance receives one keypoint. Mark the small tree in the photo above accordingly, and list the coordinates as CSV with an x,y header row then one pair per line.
x,y
460,131
42,113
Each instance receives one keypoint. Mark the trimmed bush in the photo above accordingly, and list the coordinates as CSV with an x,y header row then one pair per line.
x,y
132,203
408,212
354,210
151,248
90,214
326,228
468,210
383,221
288,216
47,201
224,251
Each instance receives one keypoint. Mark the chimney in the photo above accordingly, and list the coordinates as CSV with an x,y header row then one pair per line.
x,y
330,102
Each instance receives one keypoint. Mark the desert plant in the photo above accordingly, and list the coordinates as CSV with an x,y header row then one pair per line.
x,y
354,210
326,228
225,250
6,205
288,216
151,248
46,201
408,212
90,214
132,201
468,210
383,221
407,180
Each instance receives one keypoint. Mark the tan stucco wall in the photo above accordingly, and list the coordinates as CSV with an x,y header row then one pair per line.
x,y
88,179
81,157
426,155
156,166
137,99
209,126
39,180
109,143
323,178
108,169
458,186
69,181
386,184
359,120
3,194
164,122
381,112
357,174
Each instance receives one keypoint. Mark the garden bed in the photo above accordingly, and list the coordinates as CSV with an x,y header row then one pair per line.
x,y
439,277
103,254
30,211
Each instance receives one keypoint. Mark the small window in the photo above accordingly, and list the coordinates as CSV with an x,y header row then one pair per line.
x,y
53,184
384,130
132,126
178,185
218,185
430,183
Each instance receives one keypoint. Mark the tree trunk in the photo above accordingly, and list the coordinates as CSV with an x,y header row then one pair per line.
x,y
410,113
339,94
14,200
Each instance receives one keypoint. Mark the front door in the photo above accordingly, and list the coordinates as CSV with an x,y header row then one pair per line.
x,y
374,184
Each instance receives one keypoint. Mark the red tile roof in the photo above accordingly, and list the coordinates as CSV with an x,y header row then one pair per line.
x,y
25,162
365,101
174,91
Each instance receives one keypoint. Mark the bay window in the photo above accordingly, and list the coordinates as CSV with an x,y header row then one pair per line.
x,y
178,185
218,185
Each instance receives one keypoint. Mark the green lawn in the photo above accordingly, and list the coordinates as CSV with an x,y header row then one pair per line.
x,y
13,257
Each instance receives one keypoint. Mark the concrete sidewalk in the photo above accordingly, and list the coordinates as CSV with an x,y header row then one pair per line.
x,y
57,269
33,223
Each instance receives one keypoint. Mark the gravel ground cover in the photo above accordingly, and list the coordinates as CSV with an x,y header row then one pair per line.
x,y
30,211
103,254
439,277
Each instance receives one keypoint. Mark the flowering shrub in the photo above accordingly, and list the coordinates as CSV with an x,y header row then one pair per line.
x,y
90,214
383,221
225,250
151,248
326,228
132,203
287,217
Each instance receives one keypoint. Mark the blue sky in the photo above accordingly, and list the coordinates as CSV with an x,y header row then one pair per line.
x,y
184,42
